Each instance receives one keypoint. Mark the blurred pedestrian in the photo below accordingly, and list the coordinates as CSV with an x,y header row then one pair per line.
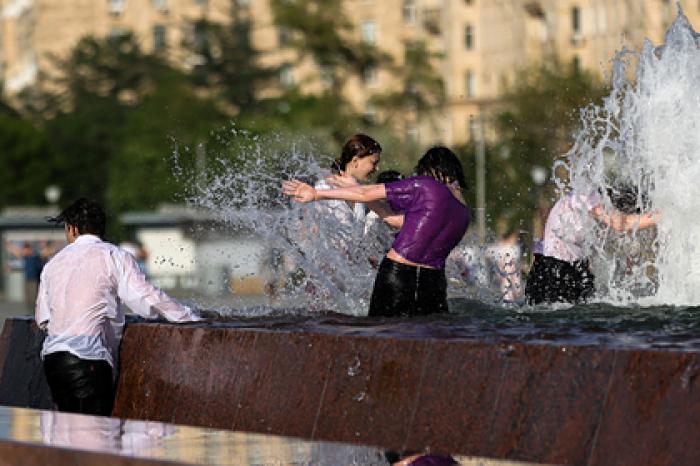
x,y
33,264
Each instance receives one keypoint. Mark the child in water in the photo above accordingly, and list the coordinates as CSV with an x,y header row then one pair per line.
x,y
432,217
561,273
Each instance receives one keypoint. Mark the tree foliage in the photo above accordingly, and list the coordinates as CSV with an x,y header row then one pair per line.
x,y
422,90
111,120
26,167
230,67
535,125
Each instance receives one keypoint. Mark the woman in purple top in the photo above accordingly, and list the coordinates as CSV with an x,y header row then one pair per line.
x,y
432,216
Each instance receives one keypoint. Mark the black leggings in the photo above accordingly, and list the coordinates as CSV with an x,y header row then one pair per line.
x,y
80,385
406,290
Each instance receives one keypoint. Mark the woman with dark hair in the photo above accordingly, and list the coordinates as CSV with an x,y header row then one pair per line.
x,y
358,160
432,217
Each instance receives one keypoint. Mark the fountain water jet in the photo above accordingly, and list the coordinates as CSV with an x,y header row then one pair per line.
x,y
645,134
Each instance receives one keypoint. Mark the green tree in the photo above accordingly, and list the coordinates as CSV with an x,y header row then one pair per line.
x,y
535,125
230,67
422,91
113,122
319,29
26,163
140,175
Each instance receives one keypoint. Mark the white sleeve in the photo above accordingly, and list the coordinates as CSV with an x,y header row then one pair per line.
x,y
42,313
145,299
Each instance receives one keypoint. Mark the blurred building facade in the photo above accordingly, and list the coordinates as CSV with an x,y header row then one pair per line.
x,y
481,43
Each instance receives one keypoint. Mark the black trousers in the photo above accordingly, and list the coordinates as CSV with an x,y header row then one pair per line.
x,y
556,281
405,290
80,385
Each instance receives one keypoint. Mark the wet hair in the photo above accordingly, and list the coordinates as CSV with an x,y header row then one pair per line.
x,y
442,164
626,199
360,146
84,214
389,176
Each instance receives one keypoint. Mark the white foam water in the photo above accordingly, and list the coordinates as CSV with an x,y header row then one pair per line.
x,y
646,133
320,263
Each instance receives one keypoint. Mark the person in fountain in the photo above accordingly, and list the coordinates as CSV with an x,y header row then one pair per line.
x,y
432,217
561,272
358,160
78,305
378,234
344,221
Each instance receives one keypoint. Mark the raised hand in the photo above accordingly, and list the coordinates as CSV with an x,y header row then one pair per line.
x,y
300,192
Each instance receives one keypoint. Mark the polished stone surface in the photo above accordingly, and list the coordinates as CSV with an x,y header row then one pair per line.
x,y
37,438
157,442
560,404
546,403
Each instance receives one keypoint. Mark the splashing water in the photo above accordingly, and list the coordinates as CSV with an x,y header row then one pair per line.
x,y
323,264
647,134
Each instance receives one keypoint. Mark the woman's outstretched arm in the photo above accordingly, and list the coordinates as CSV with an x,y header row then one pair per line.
x,y
302,192
622,222
391,218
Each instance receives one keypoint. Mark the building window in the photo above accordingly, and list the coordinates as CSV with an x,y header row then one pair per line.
x,y
469,37
370,75
469,2
470,84
369,32
116,33
199,36
159,41
116,6
287,75
576,20
411,131
576,63
370,113
243,3
283,36
327,77
472,128
160,5
409,11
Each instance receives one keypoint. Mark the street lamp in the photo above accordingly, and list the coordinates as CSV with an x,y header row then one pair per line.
x,y
538,175
52,193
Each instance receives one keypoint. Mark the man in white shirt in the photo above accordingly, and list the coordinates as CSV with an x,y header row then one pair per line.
x,y
78,305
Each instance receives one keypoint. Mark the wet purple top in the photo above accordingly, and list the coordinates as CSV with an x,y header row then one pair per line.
x,y
434,220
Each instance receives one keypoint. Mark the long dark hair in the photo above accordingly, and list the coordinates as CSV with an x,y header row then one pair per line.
x,y
442,164
360,146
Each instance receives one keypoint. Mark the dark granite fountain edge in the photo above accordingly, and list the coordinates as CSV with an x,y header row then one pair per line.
x,y
541,403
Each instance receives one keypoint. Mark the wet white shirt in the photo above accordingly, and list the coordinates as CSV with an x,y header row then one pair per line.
x,y
352,217
569,226
79,299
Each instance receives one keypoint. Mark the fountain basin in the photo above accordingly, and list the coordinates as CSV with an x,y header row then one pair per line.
x,y
410,385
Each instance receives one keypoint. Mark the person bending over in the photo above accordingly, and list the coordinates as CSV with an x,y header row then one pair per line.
x,y
432,217
562,273
78,305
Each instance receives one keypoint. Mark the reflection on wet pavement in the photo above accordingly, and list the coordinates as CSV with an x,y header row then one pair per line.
x,y
181,444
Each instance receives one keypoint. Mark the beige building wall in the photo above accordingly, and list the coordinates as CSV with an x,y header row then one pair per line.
x,y
504,36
